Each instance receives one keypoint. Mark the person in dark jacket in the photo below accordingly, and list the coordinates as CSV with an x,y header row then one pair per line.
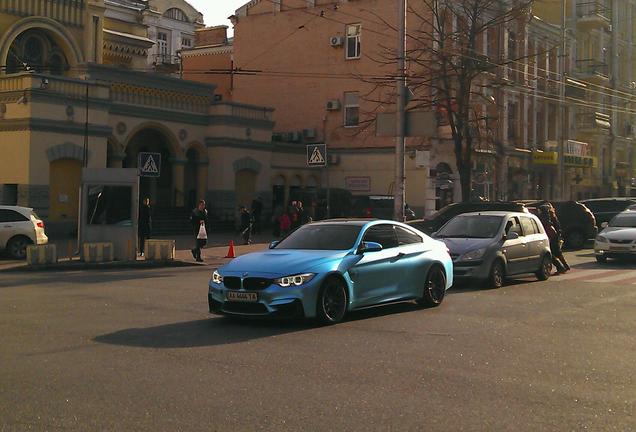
x,y
144,225
198,217
257,210
246,225
552,233
556,248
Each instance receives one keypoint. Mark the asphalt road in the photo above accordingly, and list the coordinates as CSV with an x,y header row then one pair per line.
x,y
137,350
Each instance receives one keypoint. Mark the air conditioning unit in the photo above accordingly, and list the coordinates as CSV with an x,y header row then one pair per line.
x,y
333,105
336,41
309,133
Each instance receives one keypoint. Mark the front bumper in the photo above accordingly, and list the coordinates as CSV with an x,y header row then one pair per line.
x,y
614,250
273,301
475,270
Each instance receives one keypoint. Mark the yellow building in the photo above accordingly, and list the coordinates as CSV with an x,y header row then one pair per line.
x,y
598,151
81,83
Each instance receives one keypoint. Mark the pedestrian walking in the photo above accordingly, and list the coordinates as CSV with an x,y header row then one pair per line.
x,y
557,252
553,237
199,221
284,224
144,225
257,210
246,225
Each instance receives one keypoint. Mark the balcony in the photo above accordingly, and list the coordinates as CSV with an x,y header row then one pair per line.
x,y
592,15
592,122
593,71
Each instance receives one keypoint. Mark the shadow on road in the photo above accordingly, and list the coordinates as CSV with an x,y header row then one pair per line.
x,y
200,333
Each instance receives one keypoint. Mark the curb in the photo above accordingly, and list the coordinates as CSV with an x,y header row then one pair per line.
x,y
79,265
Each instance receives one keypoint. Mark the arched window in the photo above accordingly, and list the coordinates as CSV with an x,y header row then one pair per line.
x,y
176,14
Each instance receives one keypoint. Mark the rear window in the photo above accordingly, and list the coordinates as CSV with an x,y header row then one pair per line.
x,y
406,236
7,215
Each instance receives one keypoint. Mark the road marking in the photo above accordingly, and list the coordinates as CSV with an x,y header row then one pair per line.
x,y
616,278
580,274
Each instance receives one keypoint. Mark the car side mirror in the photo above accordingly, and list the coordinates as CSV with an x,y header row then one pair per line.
x,y
604,225
273,244
511,236
369,247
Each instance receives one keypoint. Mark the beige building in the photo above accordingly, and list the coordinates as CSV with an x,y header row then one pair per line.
x,y
77,79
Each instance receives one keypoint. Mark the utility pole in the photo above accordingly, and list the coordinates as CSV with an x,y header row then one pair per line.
x,y
400,114
563,112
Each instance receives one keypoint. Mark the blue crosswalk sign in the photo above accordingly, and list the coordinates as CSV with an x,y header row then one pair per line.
x,y
149,164
317,155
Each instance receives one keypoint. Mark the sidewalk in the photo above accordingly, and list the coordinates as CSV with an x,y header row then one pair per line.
x,y
213,254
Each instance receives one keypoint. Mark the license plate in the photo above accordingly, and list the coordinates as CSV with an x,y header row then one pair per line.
x,y
242,296
619,248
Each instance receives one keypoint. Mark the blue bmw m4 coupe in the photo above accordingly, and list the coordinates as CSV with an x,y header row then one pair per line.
x,y
325,269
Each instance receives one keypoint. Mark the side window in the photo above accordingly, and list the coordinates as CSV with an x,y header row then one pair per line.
x,y
405,236
536,226
513,226
528,227
12,216
383,234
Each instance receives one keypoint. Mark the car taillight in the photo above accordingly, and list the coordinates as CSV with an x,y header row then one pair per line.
x,y
40,224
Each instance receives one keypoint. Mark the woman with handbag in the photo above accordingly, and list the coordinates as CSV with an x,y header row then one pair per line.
x,y
199,221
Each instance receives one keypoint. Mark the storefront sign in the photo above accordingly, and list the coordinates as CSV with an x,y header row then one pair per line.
x,y
545,158
358,184
580,161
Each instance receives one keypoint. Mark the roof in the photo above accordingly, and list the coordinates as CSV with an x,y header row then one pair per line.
x,y
495,213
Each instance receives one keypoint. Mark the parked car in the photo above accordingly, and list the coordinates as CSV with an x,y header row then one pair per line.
x,y
604,209
325,269
373,206
434,222
20,227
618,238
578,223
490,246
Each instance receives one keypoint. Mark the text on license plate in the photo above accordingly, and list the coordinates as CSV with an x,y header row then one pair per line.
x,y
242,296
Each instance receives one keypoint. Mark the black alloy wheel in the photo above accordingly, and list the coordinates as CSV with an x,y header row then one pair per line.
x,y
332,301
546,268
17,247
497,274
434,288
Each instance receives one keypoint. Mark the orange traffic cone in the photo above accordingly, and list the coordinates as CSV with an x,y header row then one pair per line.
x,y
230,251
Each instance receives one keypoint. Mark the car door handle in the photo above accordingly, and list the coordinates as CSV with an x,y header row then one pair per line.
x,y
400,255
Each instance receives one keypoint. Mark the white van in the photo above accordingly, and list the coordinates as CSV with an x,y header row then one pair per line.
x,y
20,227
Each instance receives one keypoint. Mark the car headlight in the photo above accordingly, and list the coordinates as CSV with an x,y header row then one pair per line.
x,y
601,239
216,277
473,255
294,280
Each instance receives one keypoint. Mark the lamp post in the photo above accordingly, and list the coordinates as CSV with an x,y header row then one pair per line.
x,y
400,114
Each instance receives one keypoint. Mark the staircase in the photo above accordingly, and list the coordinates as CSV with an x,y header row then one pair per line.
x,y
176,221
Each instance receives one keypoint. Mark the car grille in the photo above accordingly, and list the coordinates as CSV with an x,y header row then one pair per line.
x,y
615,241
250,283
255,283
232,282
245,308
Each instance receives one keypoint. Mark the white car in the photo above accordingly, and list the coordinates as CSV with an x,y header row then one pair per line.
x,y
20,227
618,238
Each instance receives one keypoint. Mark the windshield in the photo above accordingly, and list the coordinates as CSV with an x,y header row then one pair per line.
x,y
322,237
623,221
478,226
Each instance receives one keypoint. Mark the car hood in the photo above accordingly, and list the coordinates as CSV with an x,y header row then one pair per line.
x,y
619,233
460,246
283,262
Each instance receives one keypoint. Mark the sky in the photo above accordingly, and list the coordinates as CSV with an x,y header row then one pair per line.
x,y
215,12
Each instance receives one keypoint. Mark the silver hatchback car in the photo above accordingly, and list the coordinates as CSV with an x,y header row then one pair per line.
x,y
490,246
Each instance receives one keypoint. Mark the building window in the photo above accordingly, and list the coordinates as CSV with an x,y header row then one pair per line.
x,y
353,41
186,42
176,14
162,45
351,109
512,120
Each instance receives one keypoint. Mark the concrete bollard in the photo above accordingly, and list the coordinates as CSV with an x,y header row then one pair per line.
x,y
98,252
160,250
42,254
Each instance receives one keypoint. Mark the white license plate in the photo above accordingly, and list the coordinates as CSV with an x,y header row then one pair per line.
x,y
242,296
619,248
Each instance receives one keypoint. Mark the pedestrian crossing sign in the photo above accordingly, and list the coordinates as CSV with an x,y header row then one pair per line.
x,y
149,164
317,155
